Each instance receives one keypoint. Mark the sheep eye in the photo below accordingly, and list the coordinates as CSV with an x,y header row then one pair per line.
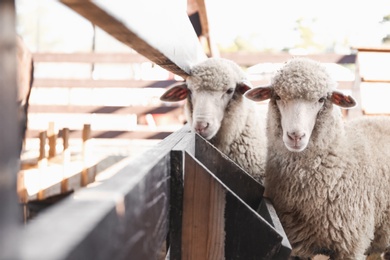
x,y
277,97
230,91
321,100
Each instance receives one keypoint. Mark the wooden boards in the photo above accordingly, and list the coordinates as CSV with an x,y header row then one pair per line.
x,y
218,212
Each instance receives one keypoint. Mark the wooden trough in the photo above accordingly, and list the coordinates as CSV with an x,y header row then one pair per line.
x,y
215,212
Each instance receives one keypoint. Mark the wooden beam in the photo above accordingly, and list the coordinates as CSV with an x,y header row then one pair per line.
x,y
90,57
372,49
10,135
101,83
139,110
156,29
249,59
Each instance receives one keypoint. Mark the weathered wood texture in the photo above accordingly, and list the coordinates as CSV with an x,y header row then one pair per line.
x,y
213,210
10,134
163,33
218,224
101,83
131,214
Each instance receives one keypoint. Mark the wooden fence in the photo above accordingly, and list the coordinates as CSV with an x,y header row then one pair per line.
x,y
121,108
181,199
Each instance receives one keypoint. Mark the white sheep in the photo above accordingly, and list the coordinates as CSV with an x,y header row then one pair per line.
x,y
328,178
217,110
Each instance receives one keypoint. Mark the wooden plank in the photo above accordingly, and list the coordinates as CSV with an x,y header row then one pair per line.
x,y
203,226
167,39
124,217
372,49
250,59
141,133
187,144
101,83
10,138
73,109
217,224
243,58
43,183
268,212
89,57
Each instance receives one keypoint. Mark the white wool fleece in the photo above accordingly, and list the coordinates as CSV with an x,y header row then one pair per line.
x,y
241,135
334,195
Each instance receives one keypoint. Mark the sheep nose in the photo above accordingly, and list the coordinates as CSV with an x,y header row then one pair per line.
x,y
200,127
295,136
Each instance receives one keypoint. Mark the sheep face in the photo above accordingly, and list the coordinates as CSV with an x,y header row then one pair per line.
x,y
298,118
206,107
212,89
300,92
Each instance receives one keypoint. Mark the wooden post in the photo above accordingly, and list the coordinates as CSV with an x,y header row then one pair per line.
x,y
203,231
52,137
11,216
65,159
42,159
42,146
85,154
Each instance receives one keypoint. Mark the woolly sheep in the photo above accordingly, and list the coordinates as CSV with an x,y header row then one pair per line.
x,y
217,110
328,177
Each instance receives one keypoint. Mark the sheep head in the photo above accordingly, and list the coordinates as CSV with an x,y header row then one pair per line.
x,y
210,90
299,94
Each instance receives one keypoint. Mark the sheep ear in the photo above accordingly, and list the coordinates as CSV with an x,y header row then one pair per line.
x,y
175,93
342,100
259,93
244,86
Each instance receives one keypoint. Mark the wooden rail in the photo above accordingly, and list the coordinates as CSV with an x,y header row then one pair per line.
x,y
84,97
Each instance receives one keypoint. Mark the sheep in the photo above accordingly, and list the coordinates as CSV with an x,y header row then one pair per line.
x,y
328,177
216,109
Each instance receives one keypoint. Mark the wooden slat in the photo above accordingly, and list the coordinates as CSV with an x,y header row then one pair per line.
x,y
89,57
203,226
138,110
139,133
242,58
250,59
177,191
101,83
10,138
163,33
372,49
